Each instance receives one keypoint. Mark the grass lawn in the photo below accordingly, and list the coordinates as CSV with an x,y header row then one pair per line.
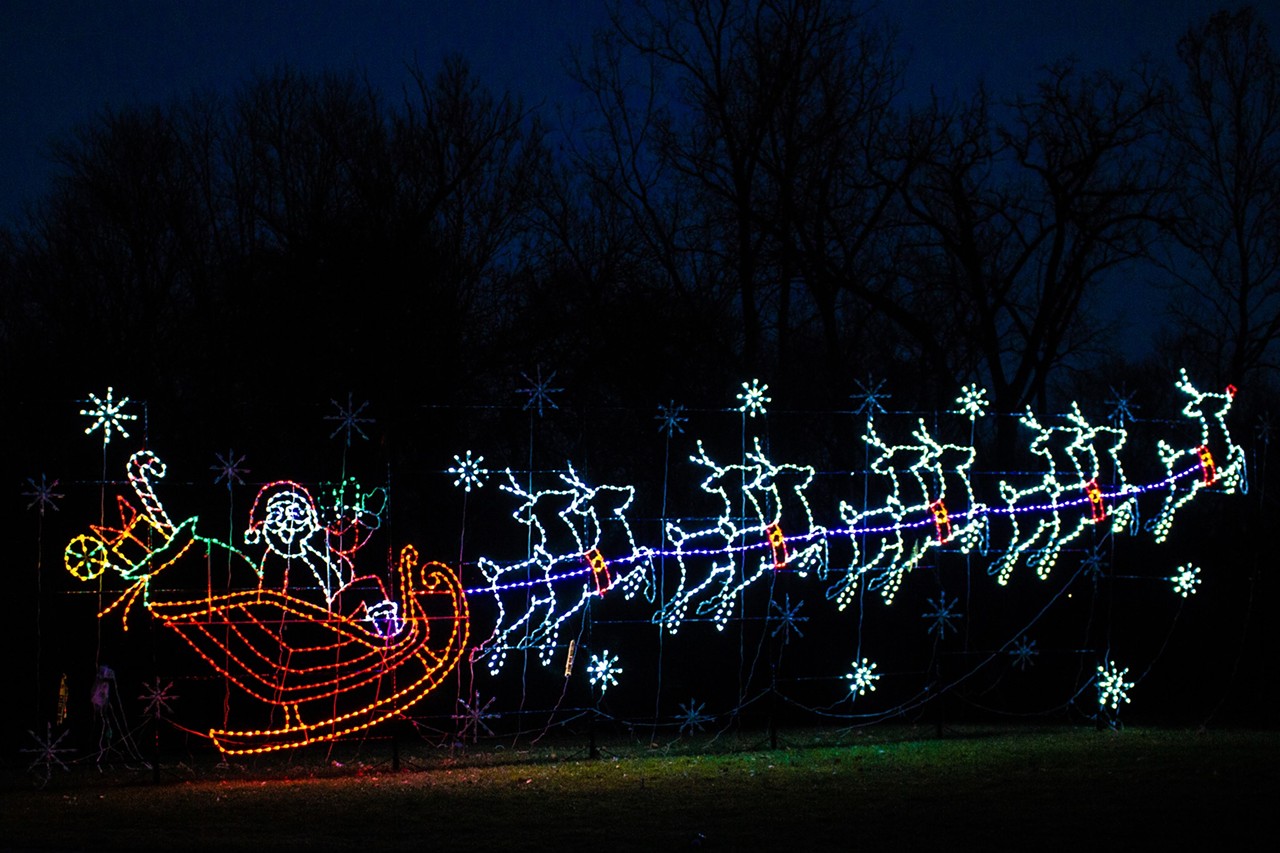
x,y
884,788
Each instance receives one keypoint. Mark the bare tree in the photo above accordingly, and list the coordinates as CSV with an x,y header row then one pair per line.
x,y
735,135
1026,218
1225,132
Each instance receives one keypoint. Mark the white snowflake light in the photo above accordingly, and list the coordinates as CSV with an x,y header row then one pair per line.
x,y
468,471
973,401
1185,580
1112,688
108,413
604,670
753,398
863,678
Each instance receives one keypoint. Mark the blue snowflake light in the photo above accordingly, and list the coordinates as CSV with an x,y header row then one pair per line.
x,y
1094,564
473,715
863,678
870,398
693,716
468,472
1113,690
604,670
43,494
1122,407
230,469
348,418
108,414
942,617
753,399
539,392
788,618
1185,580
1024,653
671,416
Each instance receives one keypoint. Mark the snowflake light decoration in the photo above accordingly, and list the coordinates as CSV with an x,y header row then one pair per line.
x,y
693,716
1185,580
869,398
539,392
1094,564
48,751
1024,653
1112,688
753,398
1263,429
473,716
604,670
230,469
348,418
973,401
108,413
157,698
43,495
862,678
1122,406
788,618
672,416
468,471
942,617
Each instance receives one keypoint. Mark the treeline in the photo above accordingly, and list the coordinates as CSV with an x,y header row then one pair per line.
x,y
742,191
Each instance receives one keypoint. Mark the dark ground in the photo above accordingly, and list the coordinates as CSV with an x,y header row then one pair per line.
x,y
975,788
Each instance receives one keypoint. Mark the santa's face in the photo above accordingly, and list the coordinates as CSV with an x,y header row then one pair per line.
x,y
290,520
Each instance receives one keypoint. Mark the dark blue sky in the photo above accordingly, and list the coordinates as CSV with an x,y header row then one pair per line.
x,y
63,60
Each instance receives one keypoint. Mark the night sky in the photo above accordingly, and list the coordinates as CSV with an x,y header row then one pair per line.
x,y
61,61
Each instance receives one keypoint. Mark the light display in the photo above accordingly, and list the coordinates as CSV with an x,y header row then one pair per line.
x,y
108,414
1113,690
330,649
468,471
302,632
753,398
571,530
1209,410
862,679
1185,580
604,670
